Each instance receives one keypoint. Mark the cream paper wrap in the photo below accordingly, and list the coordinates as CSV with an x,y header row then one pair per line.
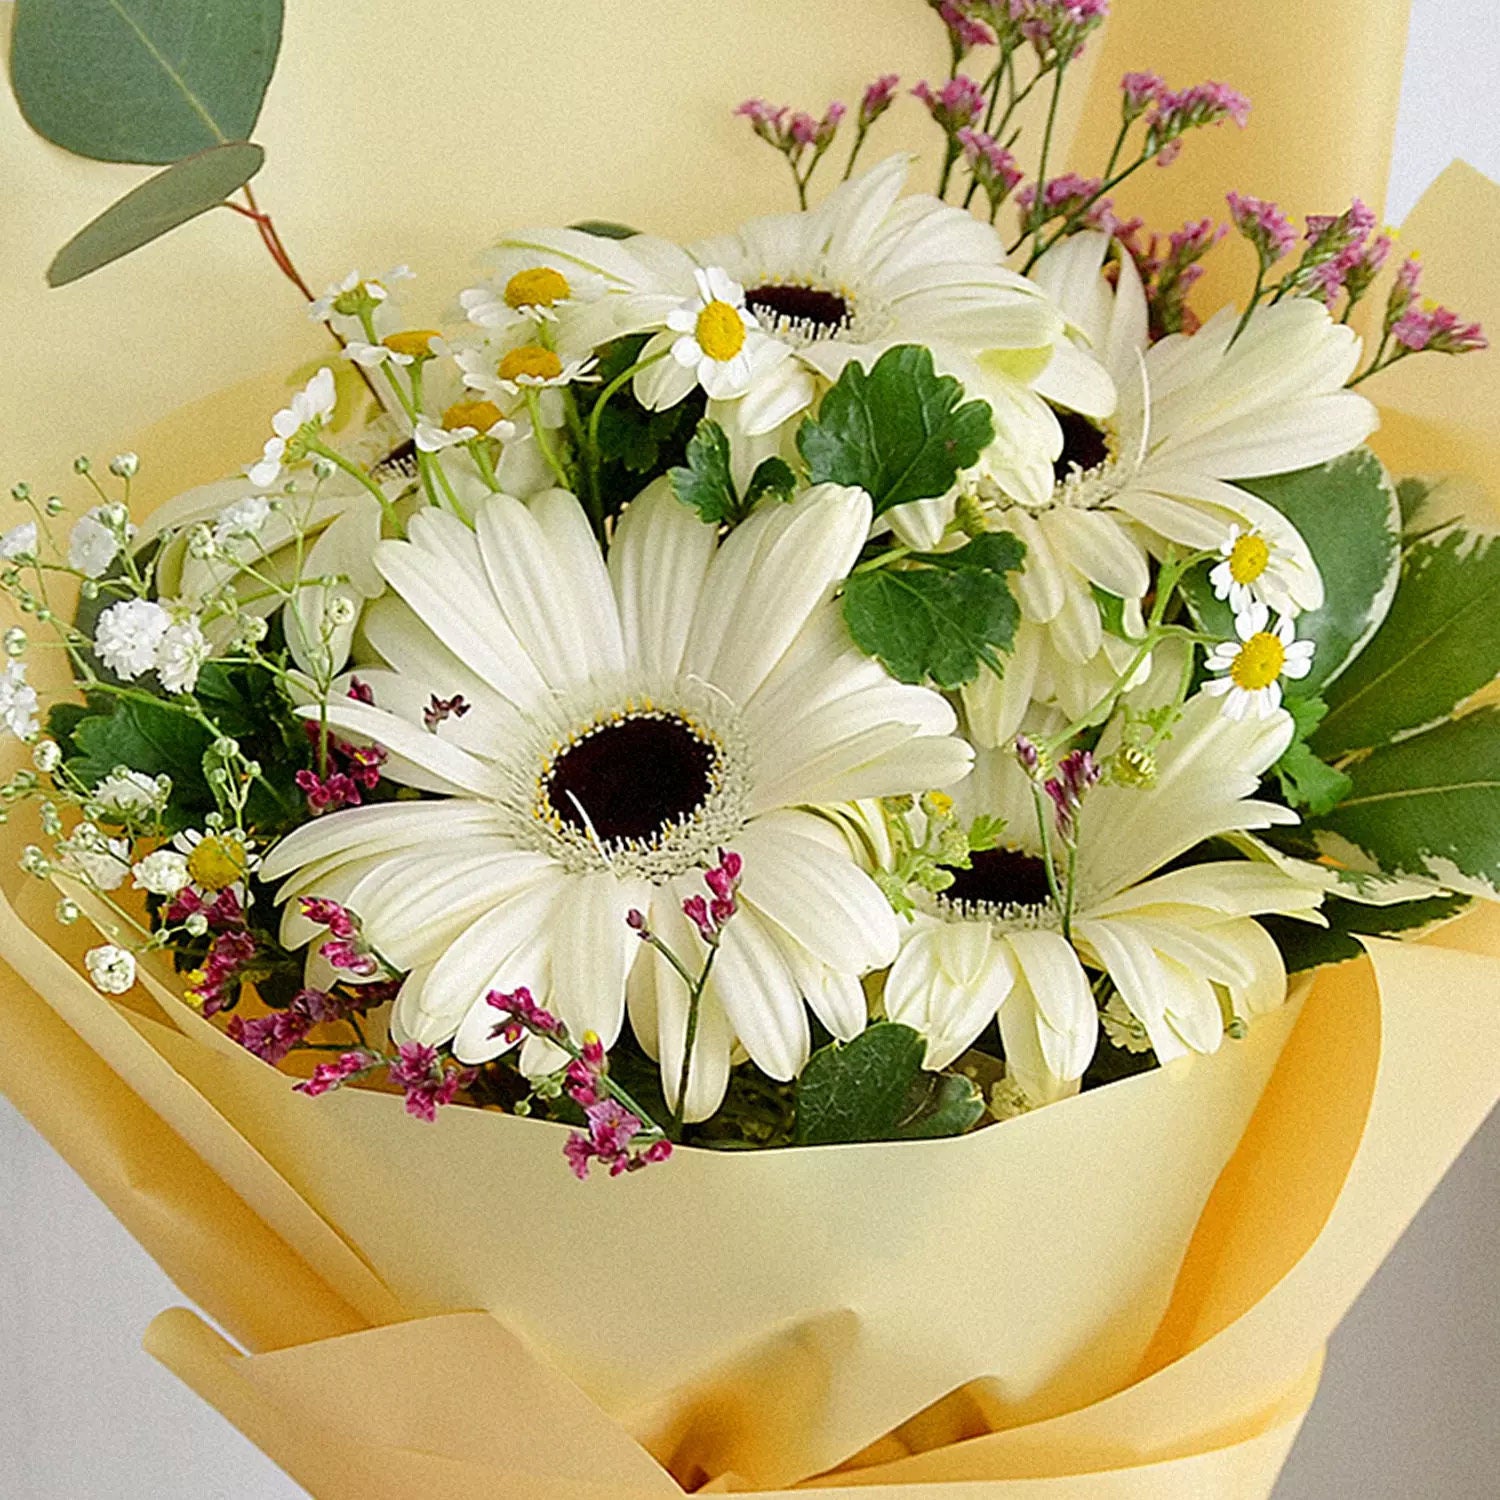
x,y
1122,1296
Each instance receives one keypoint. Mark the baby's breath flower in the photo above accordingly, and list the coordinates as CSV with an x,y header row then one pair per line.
x,y
111,967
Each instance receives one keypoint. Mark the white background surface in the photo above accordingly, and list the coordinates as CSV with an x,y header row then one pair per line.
x,y
1410,1404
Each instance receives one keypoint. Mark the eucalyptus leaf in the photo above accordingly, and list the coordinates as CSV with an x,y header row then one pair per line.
x,y
605,229
161,203
1348,514
1439,644
899,430
875,1089
143,80
1427,805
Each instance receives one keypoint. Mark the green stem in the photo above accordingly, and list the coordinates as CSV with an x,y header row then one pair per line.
x,y
695,1002
1039,207
534,407
354,471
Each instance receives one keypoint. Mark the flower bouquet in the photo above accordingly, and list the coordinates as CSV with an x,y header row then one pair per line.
x,y
899,717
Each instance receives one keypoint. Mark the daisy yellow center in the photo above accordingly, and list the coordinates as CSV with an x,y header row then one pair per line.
x,y
1248,558
541,286
417,342
1259,662
720,331
481,415
530,360
216,863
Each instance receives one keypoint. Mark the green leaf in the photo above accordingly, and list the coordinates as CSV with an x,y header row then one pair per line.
x,y
1428,805
143,80
605,229
1305,946
943,618
1349,516
154,740
900,430
1305,780
185,190
1439,644
705,483
874,1089
772,476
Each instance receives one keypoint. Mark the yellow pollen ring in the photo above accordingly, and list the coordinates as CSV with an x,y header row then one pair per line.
x,y
720,331
417,342
530,360
1248,558
1259,662
480,415
541,286
216,863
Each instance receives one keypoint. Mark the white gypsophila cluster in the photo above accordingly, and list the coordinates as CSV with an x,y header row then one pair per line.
x,y
140,635
130,793
98,861
18,701
19,541
111,968
244,520
97,538
162,873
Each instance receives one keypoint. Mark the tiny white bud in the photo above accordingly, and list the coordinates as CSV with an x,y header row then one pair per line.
x,y
124,465
341,610
196,924
68,911
111,967
46,756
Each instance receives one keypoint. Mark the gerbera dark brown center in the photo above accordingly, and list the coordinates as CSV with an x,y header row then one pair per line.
x,y
1084,445
631,778
810,307
1001,877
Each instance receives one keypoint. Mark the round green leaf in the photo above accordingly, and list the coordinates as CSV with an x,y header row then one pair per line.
x,y
143,80
182,192
1350,518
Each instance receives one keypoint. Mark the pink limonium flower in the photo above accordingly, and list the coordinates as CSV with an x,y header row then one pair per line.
x,y
213,988
766,119
271,1037
344,948
333,1075
427,1083
991,165
1058,29
965,32
1264,225
611,1129
710,914
439,710
878,97
1139,91
958,104
1076,773
1176,111
521,1014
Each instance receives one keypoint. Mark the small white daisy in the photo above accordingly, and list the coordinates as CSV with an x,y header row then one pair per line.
x,y
375,289
1253,666
1252,572
533,292
19,541
128,635
462,423
311,407
719,340
111,968
218,860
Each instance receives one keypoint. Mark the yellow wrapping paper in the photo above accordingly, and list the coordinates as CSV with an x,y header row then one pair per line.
x,y
1123,1296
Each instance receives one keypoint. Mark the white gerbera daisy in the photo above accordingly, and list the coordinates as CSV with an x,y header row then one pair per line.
x,y
1253,666
1195,414
625,720
1177,946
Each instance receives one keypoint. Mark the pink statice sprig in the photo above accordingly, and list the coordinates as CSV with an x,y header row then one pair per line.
x,y
618,1133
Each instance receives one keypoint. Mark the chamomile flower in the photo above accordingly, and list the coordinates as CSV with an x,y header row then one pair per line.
x,y
344,297
218,860
1252,667
308,410
719,344
462,423
530,293
403,348
1251,573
